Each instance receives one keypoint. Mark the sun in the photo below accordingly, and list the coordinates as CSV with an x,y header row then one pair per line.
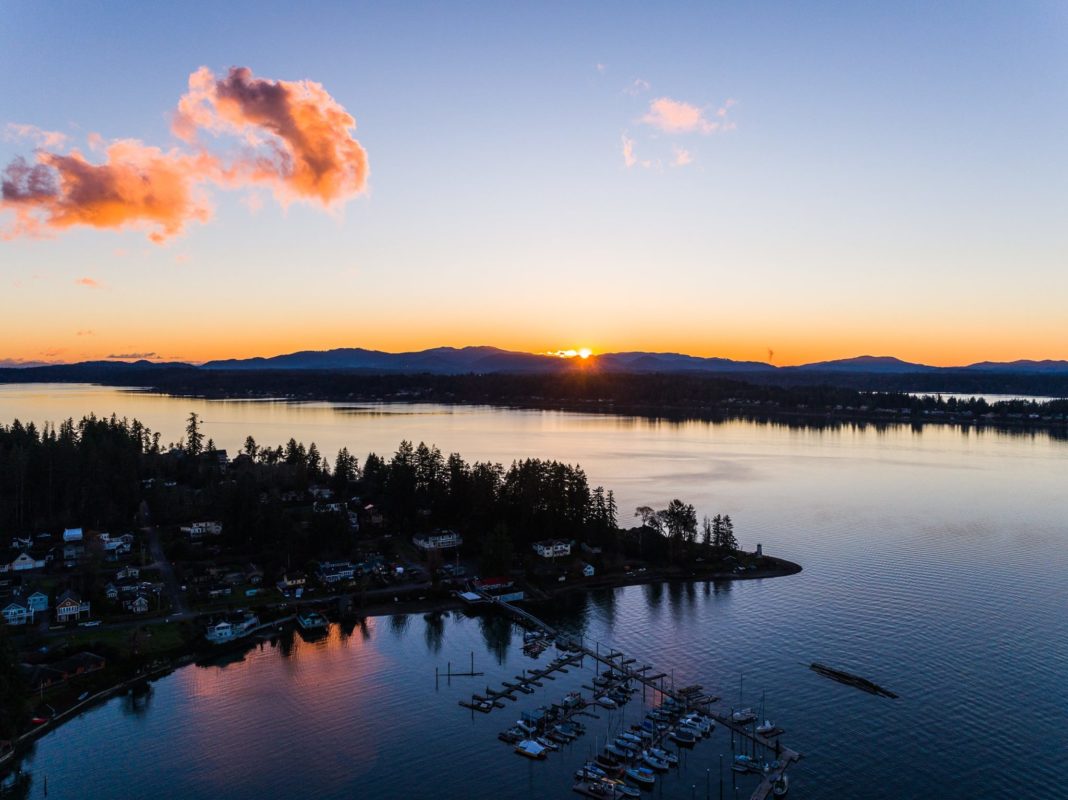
x,y
580,352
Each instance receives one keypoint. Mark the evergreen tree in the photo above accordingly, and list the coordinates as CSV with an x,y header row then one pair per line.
x,y
194,439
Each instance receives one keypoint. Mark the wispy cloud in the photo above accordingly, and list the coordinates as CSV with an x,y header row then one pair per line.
x,y
42,138
132,355
85,333
639,86
289,135
88,283
676,116
601,68
682,157
629,159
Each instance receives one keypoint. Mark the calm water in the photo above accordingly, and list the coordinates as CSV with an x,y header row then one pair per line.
x,y
936,563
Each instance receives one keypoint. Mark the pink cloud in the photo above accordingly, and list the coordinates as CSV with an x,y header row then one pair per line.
x,y
629,159
137,186
676,116
682,157
291,136
88,283
298,138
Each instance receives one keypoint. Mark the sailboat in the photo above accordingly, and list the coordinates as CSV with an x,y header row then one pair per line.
x,y
767,726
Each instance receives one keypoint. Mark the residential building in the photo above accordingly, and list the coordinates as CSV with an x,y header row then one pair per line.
x,y
588,571
552,548
17,612
336,572
72,535
438,540
70,607
198,530
38,601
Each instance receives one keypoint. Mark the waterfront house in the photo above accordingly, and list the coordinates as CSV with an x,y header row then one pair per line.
x,y
291,585
438,540
17,612
72,535
335,572
125,573
231,627
38,601
552,548
111,591
587,570
70,607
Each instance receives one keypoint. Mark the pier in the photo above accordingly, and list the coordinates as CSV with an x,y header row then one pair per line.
x,y
687,698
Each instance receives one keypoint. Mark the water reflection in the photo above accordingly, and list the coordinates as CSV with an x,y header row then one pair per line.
x,y
434,631
497,634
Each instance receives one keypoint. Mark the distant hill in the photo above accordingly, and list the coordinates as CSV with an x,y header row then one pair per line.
x,y
885,365
1048,366
452,361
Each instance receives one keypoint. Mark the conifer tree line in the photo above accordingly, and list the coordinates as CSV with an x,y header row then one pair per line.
x,y
94,473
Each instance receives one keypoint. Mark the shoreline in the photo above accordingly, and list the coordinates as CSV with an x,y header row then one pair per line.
x,y
195,652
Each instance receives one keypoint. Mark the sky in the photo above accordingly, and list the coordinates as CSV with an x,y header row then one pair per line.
x,y
769,181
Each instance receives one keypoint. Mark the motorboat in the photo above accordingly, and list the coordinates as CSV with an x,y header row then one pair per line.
x,y
607,702
766,727
781,786
531,749
643,776
525,726
595,788
547,743
606,762
312,621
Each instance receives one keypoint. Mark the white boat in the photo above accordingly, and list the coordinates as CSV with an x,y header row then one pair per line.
x,y
743,716
653,762
531,749
781,786
525,726
312,621
766,727
606,702
682,737
548,745
664,755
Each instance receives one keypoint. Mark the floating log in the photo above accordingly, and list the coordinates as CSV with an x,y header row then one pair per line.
x,y
851,680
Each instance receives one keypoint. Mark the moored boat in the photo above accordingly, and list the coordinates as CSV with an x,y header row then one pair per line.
x,y
781,786
653,762
643,776
531,749
311,621
683,737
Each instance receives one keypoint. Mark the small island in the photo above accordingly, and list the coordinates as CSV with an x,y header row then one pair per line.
x,y
128,556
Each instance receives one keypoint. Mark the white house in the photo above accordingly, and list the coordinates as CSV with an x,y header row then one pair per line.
x,y
17,612
552,548
72,535
138,605
438,540
336,571
587,570
197,530
25,561
233,627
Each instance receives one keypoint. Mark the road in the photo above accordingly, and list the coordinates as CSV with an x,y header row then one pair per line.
x,y
166,570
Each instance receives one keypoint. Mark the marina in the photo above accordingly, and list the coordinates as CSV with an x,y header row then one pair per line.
x,y
684,715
